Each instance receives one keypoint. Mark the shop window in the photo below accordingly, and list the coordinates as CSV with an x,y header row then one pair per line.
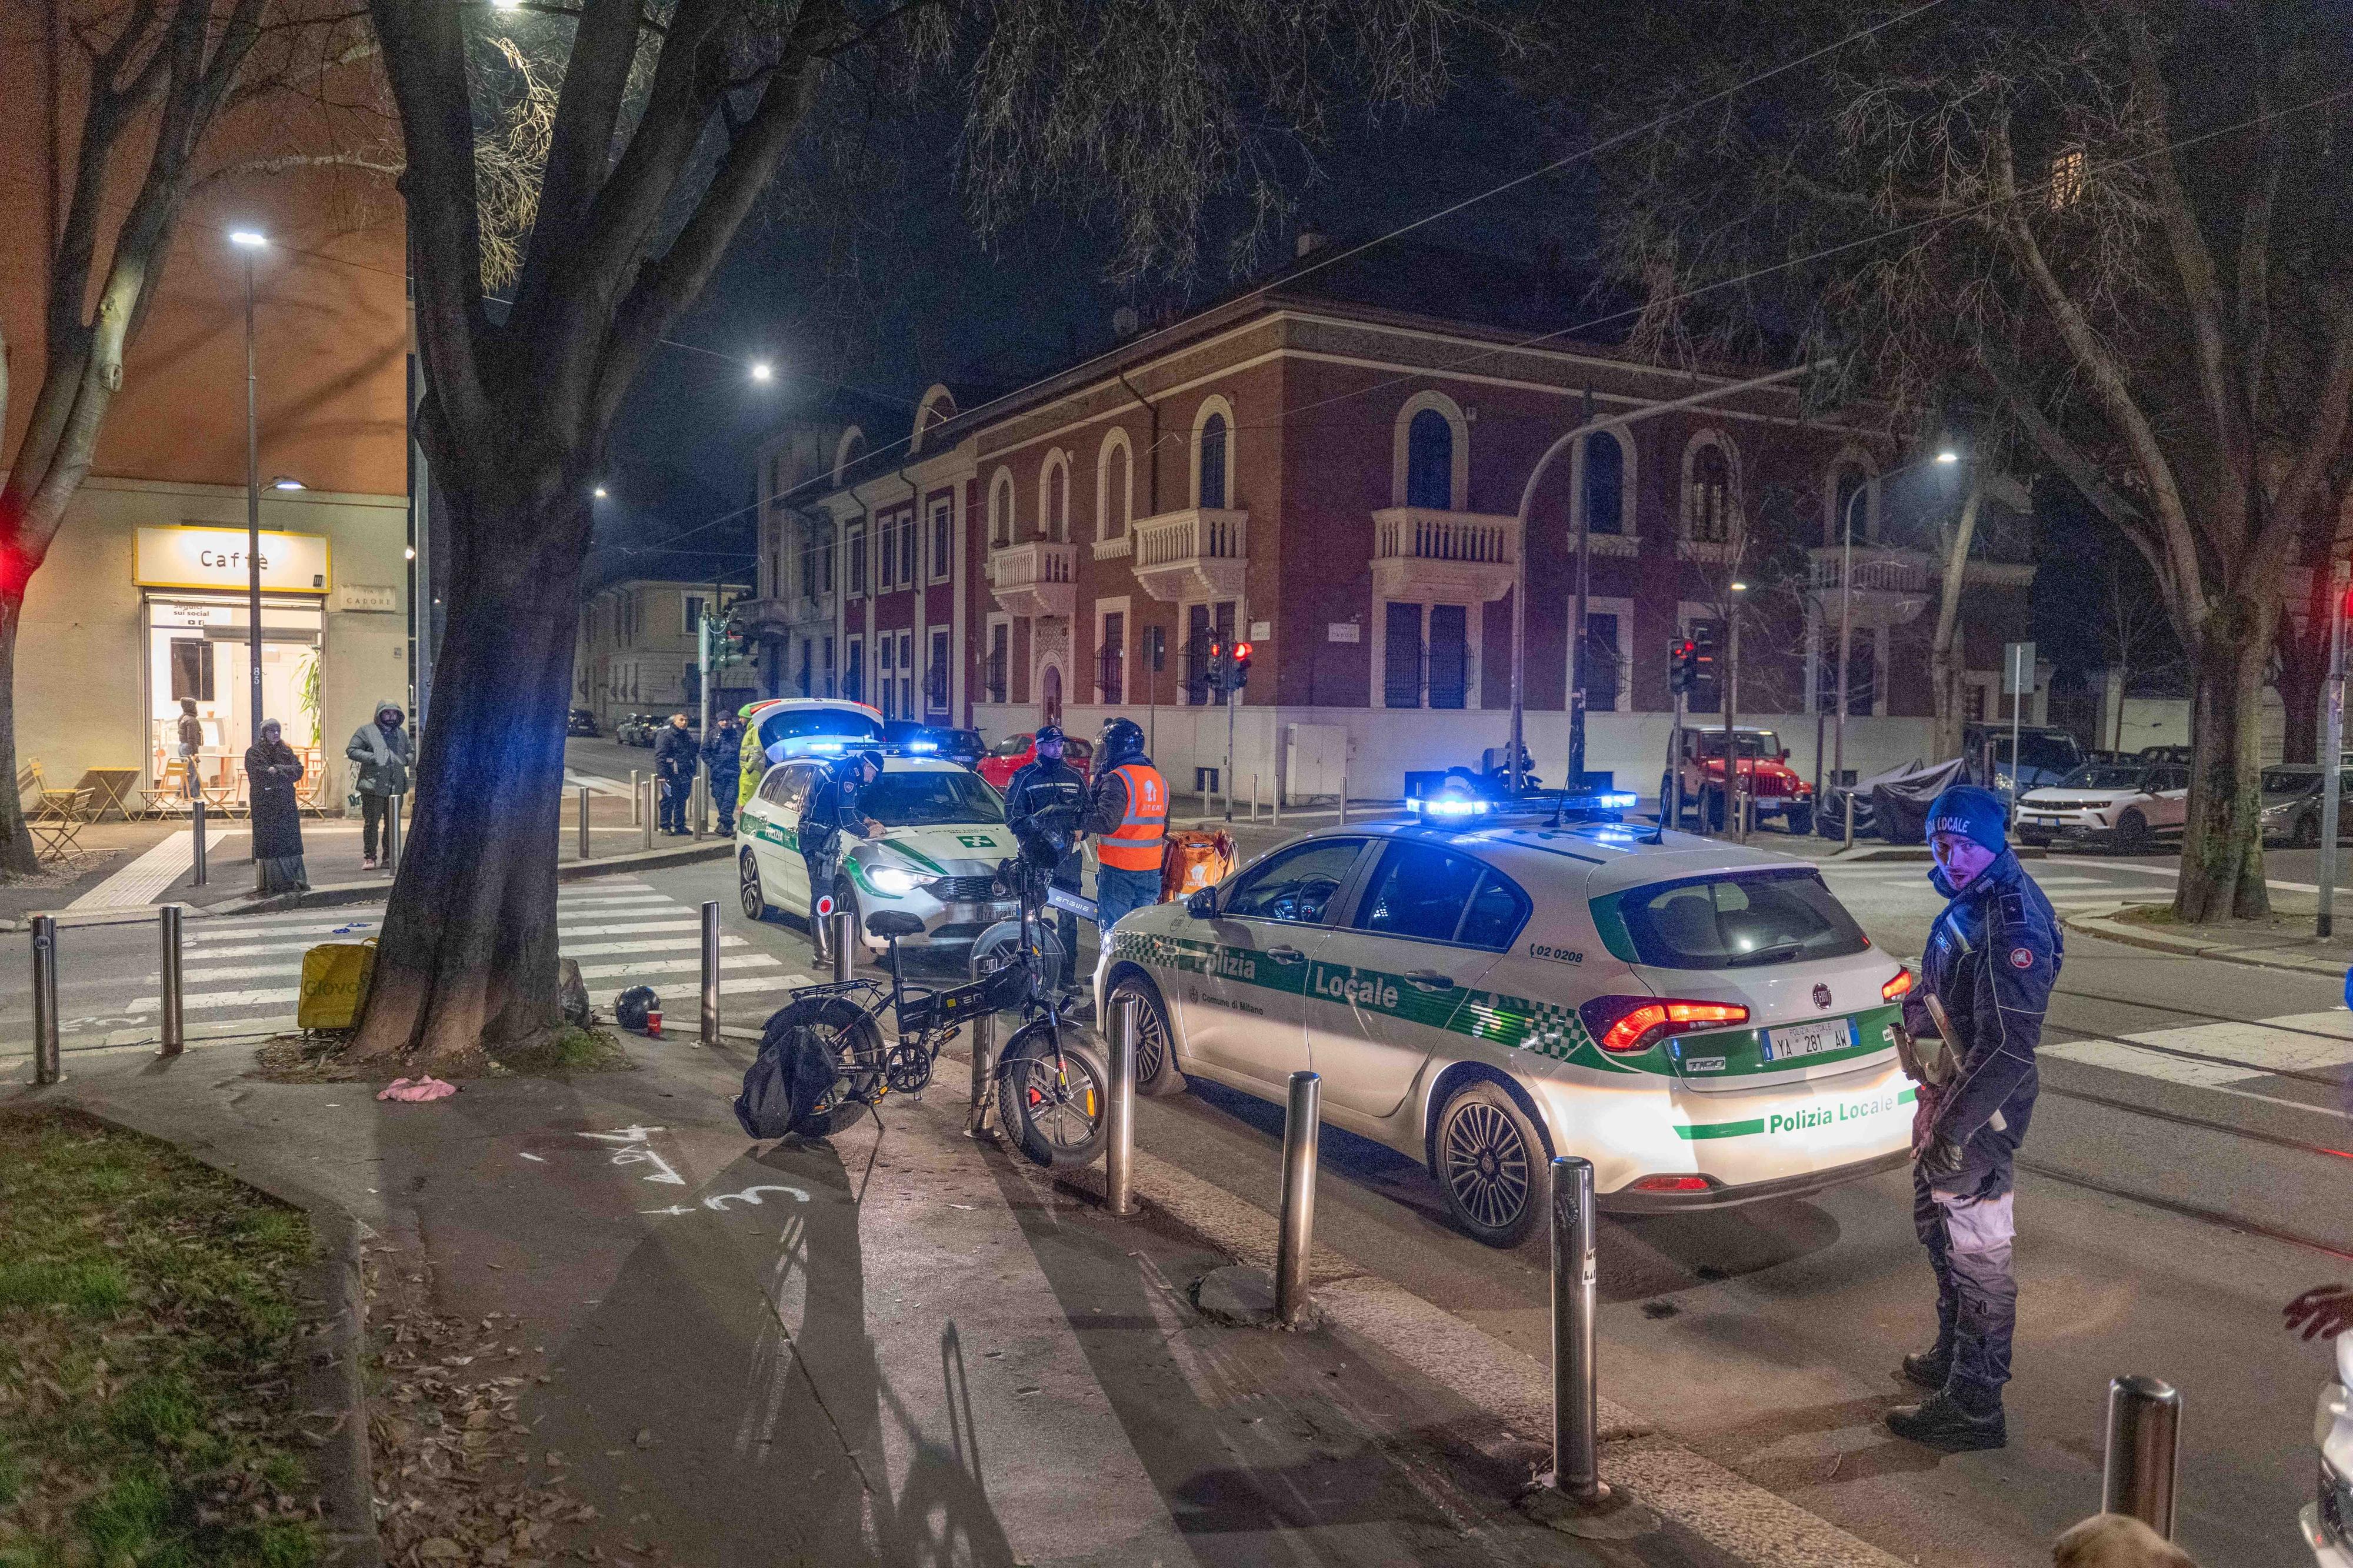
x,y
1605,485
192,669
1429,461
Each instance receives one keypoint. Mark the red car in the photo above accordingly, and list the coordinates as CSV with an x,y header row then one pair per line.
x,y
1764,761
1014,753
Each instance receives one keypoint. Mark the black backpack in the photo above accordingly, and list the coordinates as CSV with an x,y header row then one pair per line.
x,y
784,1082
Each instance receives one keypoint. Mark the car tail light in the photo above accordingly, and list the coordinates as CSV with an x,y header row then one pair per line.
x,y
1899,986
1674,1184
1624,1025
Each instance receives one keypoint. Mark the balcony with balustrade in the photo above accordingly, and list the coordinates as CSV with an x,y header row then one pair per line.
x,y
1035,579
1421,553
1893,585
1199,553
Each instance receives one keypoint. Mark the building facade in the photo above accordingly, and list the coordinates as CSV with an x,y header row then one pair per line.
x,y
636,651
1327,469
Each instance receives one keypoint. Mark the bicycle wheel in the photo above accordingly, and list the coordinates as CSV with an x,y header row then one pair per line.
x,y
841,1029
1053,1102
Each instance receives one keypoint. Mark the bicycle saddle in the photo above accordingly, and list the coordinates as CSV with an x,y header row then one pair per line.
x,y
892,923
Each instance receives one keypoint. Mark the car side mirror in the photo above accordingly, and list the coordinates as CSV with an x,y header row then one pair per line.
x,y
1202,905
1784,755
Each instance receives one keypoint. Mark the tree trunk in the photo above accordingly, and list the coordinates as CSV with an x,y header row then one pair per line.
x,y
2303,644
468,961
18,856
1943,666
2222,844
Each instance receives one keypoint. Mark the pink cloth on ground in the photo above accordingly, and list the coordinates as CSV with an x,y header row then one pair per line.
x,y
417,1088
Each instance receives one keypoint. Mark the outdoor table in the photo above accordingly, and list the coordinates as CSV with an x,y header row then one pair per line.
x,y
111,789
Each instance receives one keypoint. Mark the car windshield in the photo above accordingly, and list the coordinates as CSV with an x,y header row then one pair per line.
x,y
928,799
1012,746
2290,781
1733,921
1750,743
2042,753
2105,775
805,723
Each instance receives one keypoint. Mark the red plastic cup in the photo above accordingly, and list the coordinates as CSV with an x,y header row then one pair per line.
x,y
653,1021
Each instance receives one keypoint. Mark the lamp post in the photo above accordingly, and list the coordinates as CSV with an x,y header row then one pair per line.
x,y
1946,455
1585,563
250,241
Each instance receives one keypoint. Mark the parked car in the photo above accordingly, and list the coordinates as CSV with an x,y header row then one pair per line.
x,y
2128,804
1014,753
963,747
2046,754
2327,1519
581,722
2292,803
2166,754
1704,1021
1779,795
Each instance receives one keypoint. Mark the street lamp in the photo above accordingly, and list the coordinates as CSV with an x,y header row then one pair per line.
x,y
1944,456
600,492
762,370
251,241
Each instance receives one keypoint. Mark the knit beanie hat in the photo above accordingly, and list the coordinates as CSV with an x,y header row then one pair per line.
x,y
1974,813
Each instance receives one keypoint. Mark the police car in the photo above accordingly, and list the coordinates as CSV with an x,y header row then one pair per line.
x,y
943,835
1703,1022
2327,1520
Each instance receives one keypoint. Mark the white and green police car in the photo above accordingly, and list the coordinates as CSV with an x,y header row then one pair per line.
x,y
943,835
1705,1023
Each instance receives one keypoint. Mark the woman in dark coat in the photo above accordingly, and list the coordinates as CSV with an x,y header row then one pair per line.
x,y
277,817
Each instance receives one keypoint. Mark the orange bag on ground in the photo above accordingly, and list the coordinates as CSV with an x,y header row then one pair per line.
x,y
1193,860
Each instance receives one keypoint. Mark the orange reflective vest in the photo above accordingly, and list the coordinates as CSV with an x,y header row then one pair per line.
x,y
1135,844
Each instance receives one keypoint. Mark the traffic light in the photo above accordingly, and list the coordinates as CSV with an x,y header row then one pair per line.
x,y
1682,658
1238,663
1703,676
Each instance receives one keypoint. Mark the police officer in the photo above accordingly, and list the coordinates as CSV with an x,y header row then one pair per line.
x,y
675,760
1991,958
832,810
723,759
1130,821
1050,795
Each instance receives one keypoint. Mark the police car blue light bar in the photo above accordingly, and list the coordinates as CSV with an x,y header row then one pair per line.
x,y
920,747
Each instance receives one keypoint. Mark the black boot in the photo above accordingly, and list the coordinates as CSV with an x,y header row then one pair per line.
x,y
1956,1419
1927,1369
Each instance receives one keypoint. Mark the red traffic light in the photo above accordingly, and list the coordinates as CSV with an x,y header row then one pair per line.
x,y
1241,652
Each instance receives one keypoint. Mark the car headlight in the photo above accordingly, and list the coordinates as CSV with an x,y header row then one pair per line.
x,y
896,882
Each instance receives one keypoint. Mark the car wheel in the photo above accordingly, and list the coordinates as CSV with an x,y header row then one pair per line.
x,y
1156,1072
755,898
1799,820
2132,832
2306,835
1490,1165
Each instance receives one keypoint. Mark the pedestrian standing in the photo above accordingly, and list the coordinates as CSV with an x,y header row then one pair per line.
x,y
1986,976
1129,819
1047,800
382,753
675,760
272,771
192,741
722,761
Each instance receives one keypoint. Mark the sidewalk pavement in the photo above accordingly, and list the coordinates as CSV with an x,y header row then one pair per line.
x,y
2282,941
902,1346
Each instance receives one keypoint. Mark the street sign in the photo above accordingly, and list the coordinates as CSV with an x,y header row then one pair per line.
x,y
2018,669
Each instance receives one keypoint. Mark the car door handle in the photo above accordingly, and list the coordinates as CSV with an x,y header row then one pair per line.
x,y
1429,980
1285,955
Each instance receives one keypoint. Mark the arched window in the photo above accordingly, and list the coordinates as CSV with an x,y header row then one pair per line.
x,y
1000,510
1055,521
1213,462
1114,491
1429,461
1604,484
1707,498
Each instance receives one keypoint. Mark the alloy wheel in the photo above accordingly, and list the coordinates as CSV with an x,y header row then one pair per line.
x,y
1486,1164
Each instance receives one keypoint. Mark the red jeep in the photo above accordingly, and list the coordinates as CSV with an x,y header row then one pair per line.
x,y
1764,770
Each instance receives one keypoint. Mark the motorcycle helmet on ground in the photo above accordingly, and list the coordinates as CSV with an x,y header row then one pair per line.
x,y
1123,739
630,1007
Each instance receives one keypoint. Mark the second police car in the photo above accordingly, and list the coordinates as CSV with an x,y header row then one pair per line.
x,y
1703,1022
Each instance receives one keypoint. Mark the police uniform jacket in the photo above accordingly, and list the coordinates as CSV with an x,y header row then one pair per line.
x,y
833,805
1992,957
1042,786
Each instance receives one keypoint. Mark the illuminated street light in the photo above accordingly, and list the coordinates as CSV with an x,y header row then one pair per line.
x,y
247,239
600,492
287,483
1740,587
762,370
1949,456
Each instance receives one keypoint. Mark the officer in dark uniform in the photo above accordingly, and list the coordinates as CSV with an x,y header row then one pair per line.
x,y
1050,794
1992,957
832,810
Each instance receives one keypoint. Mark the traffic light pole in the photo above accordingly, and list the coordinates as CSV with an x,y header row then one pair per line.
x,y
2332,770
703,738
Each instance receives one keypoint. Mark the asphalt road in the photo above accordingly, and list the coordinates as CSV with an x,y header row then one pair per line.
x,y
2175,1196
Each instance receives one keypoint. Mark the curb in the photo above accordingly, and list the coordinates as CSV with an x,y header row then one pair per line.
x,y
335,1378
329,894
2100,923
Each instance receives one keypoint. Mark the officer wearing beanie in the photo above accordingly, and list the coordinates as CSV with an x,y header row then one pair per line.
x,y
1991,958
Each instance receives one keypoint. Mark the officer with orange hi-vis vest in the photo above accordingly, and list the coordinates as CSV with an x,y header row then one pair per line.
x,y
1129,819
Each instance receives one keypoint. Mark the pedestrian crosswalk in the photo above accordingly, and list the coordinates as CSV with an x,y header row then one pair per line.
x,y
241,975
2066,889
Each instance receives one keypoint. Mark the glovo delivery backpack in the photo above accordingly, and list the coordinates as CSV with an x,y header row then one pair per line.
x,y
1195,860
335,977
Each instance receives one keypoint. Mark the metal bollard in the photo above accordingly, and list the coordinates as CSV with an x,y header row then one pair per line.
x,y
646,816
392,835
1296,1239
1576,1419
196,831
1278,803
984,1059
1343,794
637,801
845,941
175,1034
1119,1150
711,971
45,1069
1253,799
583,822
699,807
1850,819
2137,1474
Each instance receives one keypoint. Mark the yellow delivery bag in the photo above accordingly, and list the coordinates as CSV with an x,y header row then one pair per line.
x,y
1193,860
335,977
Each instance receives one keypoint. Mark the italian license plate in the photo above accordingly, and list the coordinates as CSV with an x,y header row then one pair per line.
x,y
2078,830
1808,1039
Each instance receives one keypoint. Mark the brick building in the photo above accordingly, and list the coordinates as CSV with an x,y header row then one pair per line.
x,y
1329,464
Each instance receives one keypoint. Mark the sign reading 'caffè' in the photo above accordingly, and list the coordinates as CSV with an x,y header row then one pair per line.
x,y
216,558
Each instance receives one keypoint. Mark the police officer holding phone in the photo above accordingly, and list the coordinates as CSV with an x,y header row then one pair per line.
x,y
1986,976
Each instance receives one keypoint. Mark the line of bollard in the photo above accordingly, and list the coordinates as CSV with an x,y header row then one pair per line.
x,y
392,835
711,971
583,822
1253,800
845,945
2141,1464
984,1056
646,816
1576,1401
174,1029
1119,1149
1295,1240
197,836
45,1066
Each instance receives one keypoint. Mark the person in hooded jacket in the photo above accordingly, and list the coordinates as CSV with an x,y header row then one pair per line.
x,y
1992,955
382,755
